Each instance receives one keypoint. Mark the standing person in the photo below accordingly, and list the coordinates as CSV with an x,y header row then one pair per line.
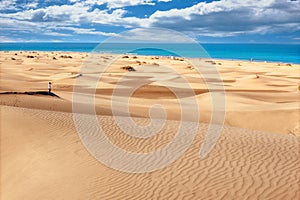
x,y
49,87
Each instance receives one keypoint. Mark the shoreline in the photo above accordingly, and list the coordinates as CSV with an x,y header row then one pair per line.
x,y
162,56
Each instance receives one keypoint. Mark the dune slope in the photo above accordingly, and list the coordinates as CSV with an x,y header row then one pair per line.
x,y
42,157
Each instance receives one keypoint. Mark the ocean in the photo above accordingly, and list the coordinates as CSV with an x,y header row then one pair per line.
x,y
287,53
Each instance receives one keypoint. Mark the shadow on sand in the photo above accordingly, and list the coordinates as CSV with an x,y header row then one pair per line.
x,y
33,93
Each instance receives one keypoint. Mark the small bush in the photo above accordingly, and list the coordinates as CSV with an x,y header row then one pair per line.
x,y
128,68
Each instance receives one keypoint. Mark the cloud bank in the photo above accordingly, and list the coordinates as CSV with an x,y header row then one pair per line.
x,y
224,18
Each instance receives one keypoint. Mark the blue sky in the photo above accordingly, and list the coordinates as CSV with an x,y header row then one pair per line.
x,y
223,21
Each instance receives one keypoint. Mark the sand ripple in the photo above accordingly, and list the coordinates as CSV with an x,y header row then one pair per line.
x,y
53,164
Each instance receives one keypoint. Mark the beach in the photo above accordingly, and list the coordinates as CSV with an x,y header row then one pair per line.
x,y
42,156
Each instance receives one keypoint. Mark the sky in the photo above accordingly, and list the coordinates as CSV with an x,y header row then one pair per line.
x,y
223,21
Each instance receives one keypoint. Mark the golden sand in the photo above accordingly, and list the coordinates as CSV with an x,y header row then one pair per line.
x,y
42,157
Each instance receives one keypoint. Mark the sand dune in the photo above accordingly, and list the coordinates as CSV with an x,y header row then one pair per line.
x,y
42,156
251,87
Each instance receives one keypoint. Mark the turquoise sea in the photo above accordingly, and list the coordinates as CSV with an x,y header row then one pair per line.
x,y
288,53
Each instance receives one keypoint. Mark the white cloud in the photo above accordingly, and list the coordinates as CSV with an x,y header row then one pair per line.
x,y
76,14
50,20
111,4
231,17
164,0
8,4
87,31
7,39
30,5
16,39
56,34
216,18
51,13
151,35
